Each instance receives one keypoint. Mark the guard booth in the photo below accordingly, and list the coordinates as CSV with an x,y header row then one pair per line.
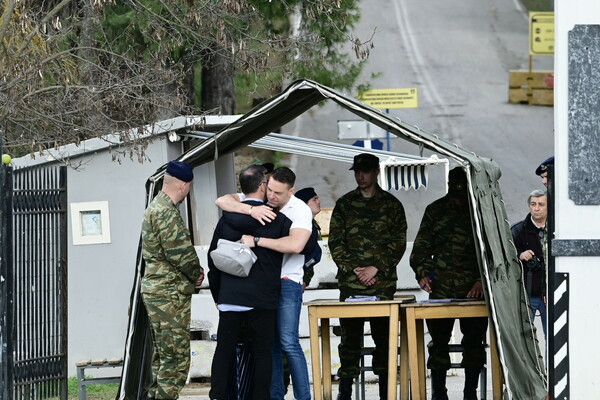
x,y
520,357
573,273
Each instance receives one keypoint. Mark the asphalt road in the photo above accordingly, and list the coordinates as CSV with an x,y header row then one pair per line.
x,y
458,55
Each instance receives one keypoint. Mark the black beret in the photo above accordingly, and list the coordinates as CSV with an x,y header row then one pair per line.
x,y
544,166
269,167
306,194
180,170
365,162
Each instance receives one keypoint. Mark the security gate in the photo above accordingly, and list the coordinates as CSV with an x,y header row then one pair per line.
x,y
33,239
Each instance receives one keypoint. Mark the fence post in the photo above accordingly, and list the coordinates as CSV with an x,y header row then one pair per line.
x,y
6,326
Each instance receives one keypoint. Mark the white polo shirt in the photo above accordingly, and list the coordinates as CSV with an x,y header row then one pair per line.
x,y
301,216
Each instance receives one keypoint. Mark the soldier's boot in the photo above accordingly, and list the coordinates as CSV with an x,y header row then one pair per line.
x,y
383,387
438,385
345,386
471,383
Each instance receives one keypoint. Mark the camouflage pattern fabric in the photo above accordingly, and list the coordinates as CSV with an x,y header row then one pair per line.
x,y
172,268
351,343
444,250
169,316
171,260
473,330
364,232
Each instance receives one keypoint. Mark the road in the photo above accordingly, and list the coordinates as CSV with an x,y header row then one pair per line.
x,y
458,55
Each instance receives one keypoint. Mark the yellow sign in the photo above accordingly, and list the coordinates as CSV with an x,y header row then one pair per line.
x,y
541,33
389,98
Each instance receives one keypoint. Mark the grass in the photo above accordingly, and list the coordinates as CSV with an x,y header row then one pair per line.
x,y
93,392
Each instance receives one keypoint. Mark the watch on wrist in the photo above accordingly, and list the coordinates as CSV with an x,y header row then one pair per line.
x,y
256,239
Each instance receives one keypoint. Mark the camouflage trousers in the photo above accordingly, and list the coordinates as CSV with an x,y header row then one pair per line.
x,y
350,345
169,316
473,330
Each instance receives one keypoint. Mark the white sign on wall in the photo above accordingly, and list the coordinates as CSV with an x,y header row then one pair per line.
x,y
90,223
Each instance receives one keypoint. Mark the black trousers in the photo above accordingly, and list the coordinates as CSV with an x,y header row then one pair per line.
x,y
473,330
261,327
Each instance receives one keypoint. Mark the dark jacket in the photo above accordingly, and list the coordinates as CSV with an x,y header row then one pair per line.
x,y
261,288
527,237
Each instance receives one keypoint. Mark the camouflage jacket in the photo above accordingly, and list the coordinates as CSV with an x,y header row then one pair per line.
x,y
444,250
171,260
367,232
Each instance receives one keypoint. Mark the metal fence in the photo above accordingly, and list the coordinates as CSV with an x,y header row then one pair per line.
x,y
35,294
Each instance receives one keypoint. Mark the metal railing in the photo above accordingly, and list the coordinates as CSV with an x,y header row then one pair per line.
x,y
35,331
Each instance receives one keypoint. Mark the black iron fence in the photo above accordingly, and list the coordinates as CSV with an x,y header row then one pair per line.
x,y
34,266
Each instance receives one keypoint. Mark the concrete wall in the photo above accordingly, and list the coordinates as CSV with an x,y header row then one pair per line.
x,y
577,221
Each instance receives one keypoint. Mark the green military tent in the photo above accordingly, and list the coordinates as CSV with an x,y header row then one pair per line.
x,y
519,354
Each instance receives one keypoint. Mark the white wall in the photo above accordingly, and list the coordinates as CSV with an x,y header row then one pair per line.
x,y
576,222
101,275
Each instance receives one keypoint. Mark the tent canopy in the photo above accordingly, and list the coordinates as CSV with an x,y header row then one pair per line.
x,y
398,171
499,266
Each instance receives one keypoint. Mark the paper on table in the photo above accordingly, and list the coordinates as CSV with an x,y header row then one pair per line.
x,y
362,298
451,300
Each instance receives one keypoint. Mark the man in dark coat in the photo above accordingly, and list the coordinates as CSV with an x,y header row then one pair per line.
x,y
252,300
529,240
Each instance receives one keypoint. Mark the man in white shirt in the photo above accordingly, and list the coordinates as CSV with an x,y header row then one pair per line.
x,y
280,194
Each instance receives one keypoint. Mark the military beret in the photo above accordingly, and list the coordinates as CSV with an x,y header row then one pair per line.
x,y
543,167
269,167
180,170
305,194
365,162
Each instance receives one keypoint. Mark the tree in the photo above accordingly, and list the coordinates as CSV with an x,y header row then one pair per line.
x,y
263,43
58,87
75,69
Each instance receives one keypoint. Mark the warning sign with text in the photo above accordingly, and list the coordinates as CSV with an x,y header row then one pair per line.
x,y
541,33
389,98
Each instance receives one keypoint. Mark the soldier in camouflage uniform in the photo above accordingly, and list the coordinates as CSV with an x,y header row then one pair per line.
x,y
445,264
171,274
367,238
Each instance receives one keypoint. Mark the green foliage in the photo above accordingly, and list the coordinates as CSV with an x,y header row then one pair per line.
x,y
277,158
267,49
75,70
133,30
